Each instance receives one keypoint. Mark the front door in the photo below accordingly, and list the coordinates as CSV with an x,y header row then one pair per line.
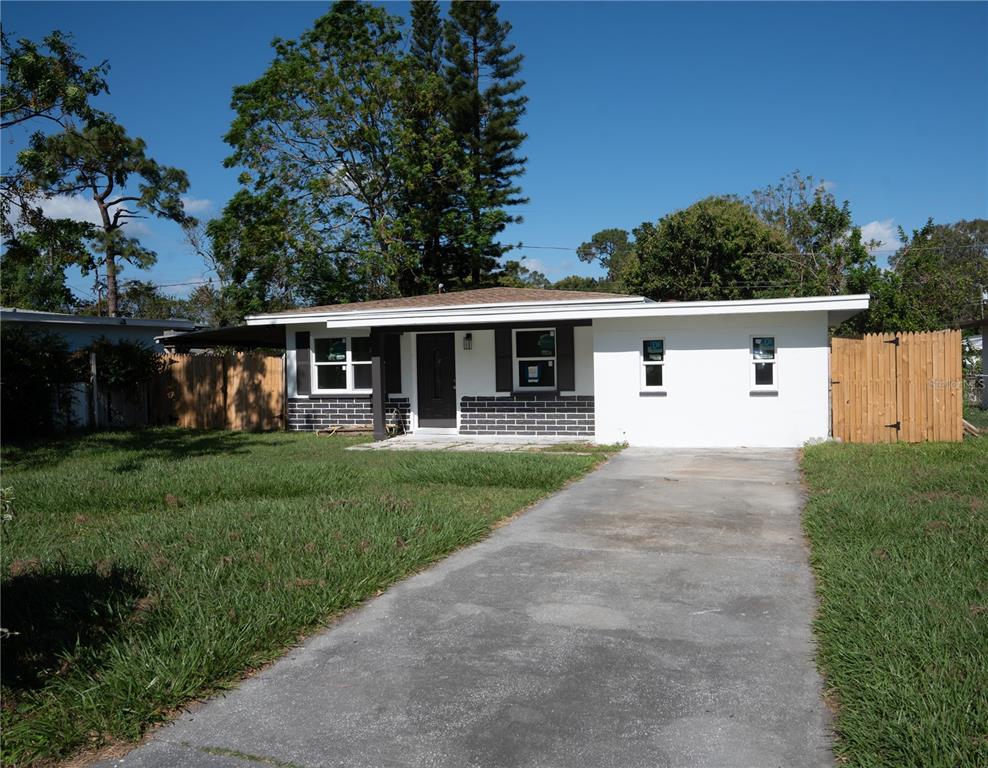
x,y
436,375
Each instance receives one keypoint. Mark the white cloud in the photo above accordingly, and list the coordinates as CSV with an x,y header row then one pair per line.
x,y
79,208
193,205
884,231
828,186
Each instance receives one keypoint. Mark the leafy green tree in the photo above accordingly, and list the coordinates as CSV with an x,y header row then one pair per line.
x,y
514,274
943,270
485,108
47,81
320,126
101,160
32,273
579,283
829,250
611,248
715,249
43,85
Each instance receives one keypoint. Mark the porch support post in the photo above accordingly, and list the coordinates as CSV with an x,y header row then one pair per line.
x,y
377,385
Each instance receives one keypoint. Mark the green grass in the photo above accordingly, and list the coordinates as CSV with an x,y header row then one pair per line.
x,y
976,415
145,569
899,541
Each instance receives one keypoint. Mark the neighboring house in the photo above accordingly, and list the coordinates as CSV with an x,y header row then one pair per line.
x,y
79,330
612,368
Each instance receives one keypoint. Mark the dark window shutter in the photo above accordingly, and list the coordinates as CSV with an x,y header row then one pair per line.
x,y
303,364
392,363
565,363
502,360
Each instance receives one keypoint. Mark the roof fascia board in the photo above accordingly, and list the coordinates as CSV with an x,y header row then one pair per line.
x,y
683,309
296,317
29,317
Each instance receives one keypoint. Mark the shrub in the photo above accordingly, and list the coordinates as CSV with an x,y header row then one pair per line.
x,y
36,368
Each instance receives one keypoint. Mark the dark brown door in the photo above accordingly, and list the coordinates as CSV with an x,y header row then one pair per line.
x,y
436,374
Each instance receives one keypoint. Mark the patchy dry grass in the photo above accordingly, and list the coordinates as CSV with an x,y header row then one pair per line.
x,y
899,537
145,569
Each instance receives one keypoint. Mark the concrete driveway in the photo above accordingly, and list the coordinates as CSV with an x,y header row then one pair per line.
x,y
656,613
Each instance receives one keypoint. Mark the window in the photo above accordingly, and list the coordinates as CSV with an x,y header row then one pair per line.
x,y
535,359
763,373
653,361
342,363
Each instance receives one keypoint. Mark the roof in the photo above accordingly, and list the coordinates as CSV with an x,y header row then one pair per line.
x,y
477,296
237,336
13,314
526,305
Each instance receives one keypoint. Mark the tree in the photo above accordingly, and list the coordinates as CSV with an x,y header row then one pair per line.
x,y
514,274
828,249
579,283
611,248
715,249
101,160
943,271
47,81
319,127
34,261
485,107
43,85
429,162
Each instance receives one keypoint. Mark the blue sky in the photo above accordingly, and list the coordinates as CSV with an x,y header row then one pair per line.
x,y
635,109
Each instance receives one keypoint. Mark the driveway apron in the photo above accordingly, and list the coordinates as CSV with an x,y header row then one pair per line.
x,y
655,613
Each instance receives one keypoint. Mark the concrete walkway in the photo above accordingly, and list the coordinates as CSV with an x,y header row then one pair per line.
x,y
656,613
474,443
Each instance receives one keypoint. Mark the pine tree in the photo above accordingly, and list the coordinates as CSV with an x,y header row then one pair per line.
x,y
428,160
485,107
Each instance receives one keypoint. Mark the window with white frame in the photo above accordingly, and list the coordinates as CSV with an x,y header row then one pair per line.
x,y
653,363
341,363
763,363
535,358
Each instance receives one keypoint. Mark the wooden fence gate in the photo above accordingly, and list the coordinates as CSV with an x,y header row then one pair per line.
x,y
243,390
905,387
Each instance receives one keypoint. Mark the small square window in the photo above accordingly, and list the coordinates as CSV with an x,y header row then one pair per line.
x,y
653,375
331,376
362,376
536,373
360,350
653,350
330,350
764,374
763,347
535,344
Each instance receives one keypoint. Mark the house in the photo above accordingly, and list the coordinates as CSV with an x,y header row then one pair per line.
x,y
588,366
80,330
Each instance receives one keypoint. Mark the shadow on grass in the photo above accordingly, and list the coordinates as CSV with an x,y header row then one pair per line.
x,y
54,615
170,443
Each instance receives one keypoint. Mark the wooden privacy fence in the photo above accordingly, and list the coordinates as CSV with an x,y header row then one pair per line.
x,y
244,391
897,387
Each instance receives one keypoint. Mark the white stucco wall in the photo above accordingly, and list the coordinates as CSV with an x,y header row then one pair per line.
x,y
707,377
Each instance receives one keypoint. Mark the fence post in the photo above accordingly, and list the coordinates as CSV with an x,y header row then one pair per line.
x,y
94,388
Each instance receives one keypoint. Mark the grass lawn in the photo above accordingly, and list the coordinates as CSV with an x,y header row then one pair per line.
x,y
899,541
144,569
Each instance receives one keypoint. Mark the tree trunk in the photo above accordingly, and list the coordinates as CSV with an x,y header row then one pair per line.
x,y
111,285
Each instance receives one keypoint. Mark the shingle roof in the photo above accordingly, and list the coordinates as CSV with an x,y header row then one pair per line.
x,y
462,298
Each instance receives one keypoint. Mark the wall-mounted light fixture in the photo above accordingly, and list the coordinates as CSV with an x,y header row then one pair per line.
x,y
468,341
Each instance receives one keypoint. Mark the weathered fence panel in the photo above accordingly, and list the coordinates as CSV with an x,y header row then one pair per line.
x,y
904,387
243,391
